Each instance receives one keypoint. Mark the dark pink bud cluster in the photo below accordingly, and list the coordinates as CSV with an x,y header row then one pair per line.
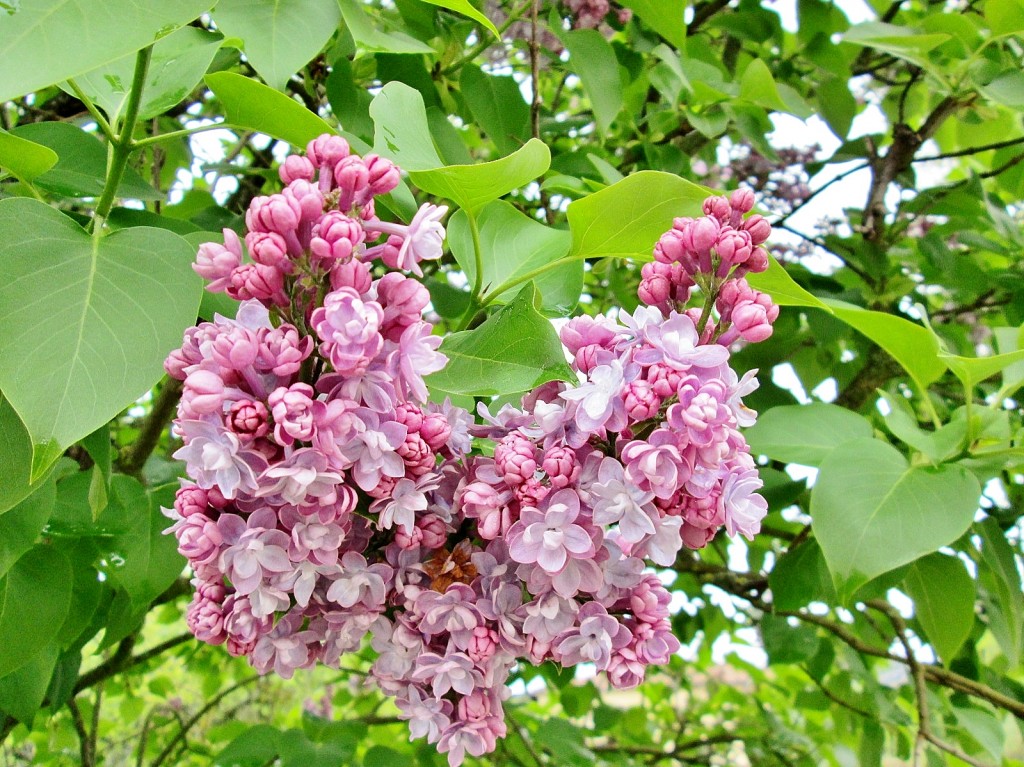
x,y
330,505
714,253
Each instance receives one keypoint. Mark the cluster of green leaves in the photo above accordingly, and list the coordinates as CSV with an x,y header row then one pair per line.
x,y
564,153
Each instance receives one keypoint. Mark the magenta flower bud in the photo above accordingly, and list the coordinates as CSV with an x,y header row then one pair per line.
x,y
742,200
268,248
753,319
264,283
351,274
758,228
664,379
670,246
203,392
353,180
758,261
515,458
733,247
418,457
275,213
189,500
403,299
248,418
335,238
561,466
296,167
307,197
435,532
436,430
719,208
383,174
282,350
215,262
482,646
704,233
654,288
292,409
205,619
327,150
641,400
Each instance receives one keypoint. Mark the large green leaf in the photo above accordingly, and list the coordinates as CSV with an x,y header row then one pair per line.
x,y
1001,593
497,106
901,42
466,9
473,186
25,159
913,346
805,434
178,63
801,577
34,598
663,16
943,594
280,36
47,41
873,512
369,38
20,527
626,219
88,320
512,246
144,561
402,134
22,691
513,351
81,169
593,59
784,290
15,459
251,104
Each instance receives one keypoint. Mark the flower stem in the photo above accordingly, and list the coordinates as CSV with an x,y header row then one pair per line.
x,y
101,121
123,144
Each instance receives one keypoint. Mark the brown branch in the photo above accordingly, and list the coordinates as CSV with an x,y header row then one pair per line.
x,y
153,426
973,150
213,703
123,661
702,13
924,728
87,755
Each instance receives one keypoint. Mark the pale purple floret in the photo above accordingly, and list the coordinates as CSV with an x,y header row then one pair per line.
x,y
255,550
359,583
598,400
214,457
421,240
417,357
371,452
675,343
452,671
549,538
474,737
594,640
285,648
406,503
549,615
349,328
426,715
655,464
454,612
617,500
302,478
744,507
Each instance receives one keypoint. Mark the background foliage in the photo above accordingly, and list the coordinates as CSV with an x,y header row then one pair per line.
x,y
878,619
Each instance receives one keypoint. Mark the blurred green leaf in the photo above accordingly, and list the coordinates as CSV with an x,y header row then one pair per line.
x,y
943,593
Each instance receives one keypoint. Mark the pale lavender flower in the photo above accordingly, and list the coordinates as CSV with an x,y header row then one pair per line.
x,y
549,538
302,475
744,507
417,356
350,330
284,649
594,640
616,500
675,343
598,400
359,583
453,612
427,716
371,452
452,671
407,501
214,457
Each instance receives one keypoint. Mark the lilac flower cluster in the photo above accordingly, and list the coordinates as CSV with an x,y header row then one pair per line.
x,y
330,503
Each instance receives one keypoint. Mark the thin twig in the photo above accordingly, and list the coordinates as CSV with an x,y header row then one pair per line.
x,y
84,741
153,426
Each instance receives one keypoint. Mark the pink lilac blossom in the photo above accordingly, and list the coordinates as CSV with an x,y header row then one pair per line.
x,y
330,504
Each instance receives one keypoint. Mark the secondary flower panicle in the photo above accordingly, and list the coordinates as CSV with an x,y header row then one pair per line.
x,y
330,504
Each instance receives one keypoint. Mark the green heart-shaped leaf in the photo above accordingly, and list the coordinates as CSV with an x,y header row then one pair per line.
x,y
88,320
